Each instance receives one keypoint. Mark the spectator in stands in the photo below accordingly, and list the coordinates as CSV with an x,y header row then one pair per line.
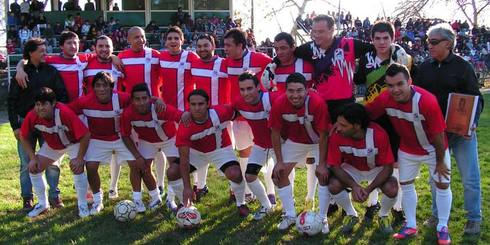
x,y
24,9
115,7
35,32
348,19
10,46
179,16
78,20
12,19
69,21
100,23
15,8
152,27
85,28
58,28
36,8
89,6
49,35
366,24
24,35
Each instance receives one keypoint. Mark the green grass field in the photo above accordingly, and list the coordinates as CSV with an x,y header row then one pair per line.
x,y
220,224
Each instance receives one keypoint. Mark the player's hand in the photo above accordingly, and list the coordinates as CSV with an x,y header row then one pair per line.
x,y
442,170
33,166
472,129
187,196
21,78
185,119
268,76
322,173
333,129
279,170
17,134
358,194
159,105
117,63
77,165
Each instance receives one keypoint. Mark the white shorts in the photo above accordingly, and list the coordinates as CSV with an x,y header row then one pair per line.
x,y
410,166
56,155
218,157
293,152
359,175
149,150
242,137
260,156
101,151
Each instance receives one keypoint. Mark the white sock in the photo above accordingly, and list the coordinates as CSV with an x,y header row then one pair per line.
x,y
39,185
259,191
286,196
137,196
81,186
98,197
312,181
386,205
323,201
444,197
409,204
239,190
201,175
115,170
155,194
292,177
160,162
177,187
343,200
373,197
269,184
243,166
398,203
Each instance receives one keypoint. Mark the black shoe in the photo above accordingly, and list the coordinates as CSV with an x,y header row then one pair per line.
x,y
200,193
371,212
332,209
398,216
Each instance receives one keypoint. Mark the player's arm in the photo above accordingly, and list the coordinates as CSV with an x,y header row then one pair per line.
x,y
321,169
25,132
382,177
357,192
276,144
78,164
21,76
441,168
117,62
184,172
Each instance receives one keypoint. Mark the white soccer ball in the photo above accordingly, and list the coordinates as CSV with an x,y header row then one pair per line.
x,y
308,224
125,211
188,217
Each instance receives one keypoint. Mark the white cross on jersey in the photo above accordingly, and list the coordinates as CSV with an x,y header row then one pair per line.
x,y
215,75
236,71
180,66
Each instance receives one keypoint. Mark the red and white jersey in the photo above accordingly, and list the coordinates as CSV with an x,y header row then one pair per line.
x,y
364,154
212,78
210,135
301,66
95,66
251,61
64,129
152,127
103,119
176,77
257,117
71,71
300,125
141,67
416,122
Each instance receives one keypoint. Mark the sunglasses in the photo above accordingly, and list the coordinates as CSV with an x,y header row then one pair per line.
x,y
435,41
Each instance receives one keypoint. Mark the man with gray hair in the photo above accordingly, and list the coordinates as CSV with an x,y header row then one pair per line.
x,y
447,73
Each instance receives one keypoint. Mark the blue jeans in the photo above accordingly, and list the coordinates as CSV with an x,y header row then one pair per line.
x,y
52,172
466,154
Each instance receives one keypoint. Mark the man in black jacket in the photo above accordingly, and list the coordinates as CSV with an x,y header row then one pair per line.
x,y
21,101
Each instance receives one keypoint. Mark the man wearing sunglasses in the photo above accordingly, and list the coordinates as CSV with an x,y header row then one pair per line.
x,y
447,73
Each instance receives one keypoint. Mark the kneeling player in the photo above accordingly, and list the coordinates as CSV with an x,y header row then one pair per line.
x,y
64,133
206,140
156,133
360,151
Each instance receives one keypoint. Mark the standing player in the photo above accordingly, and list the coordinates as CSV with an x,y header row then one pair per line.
x,y
301,117
206,140
64,133
156,133
416,117
239,60
103,110
359,151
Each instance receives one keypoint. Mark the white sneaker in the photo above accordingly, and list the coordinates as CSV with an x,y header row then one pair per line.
x,y
140,206
154,204
37,210
286,222
96,208
113,194
325,228
262,213
83,211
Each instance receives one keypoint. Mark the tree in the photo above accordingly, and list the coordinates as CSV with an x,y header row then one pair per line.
x,y
472,9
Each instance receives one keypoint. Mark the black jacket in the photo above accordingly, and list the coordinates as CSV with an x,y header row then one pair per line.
x,y
21,101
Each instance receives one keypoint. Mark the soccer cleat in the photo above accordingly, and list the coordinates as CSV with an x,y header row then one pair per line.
x,y
325,228
431,222
56,202
472,227
398,216
83,211
161,192
371,212
405,232
140,206
154,204
443,237
96,208
272,199
332,208
385,225
27,204
349,223
200,193
262,213
286,222
172,206
37,210
243,211
113,194
309,205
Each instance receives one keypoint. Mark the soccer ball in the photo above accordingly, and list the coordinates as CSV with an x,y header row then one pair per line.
x,y
308,224
188,217
125,211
